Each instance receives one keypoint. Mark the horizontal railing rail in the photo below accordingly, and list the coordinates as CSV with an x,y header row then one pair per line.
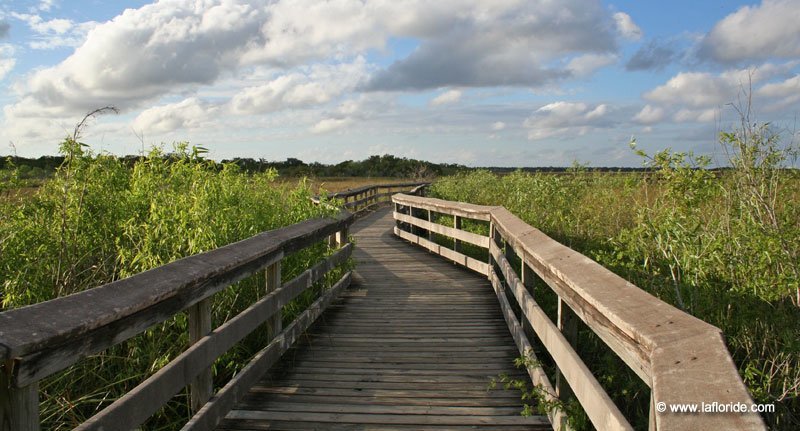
x,y
683,360
42,339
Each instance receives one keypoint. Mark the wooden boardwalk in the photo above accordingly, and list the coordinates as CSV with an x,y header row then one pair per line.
x,y
412,344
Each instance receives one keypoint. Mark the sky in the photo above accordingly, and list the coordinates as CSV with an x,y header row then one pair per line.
x,y
474,82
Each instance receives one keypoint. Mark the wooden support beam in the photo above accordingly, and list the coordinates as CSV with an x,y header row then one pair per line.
x,y
456,226
199,326
275,323
19,407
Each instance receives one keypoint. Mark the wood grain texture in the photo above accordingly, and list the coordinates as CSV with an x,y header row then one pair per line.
x,y
414,342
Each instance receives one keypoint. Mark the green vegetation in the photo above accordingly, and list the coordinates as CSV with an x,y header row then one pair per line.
x,y
99,219
723,246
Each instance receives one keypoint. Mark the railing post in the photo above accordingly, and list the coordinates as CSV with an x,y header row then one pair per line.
x,y
456,225
199,326
528,277
19,407
274,323
341,237
568,325
430,220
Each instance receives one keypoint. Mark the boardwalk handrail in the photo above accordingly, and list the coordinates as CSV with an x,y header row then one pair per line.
x,y
41,339
361,198
682,359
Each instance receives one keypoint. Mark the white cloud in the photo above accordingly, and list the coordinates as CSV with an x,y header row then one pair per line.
x,y
509,43
755,32
696,115
330,124
56,32
649,115
191,112
695,89
784,94
626,27
7,60
499,125
448,97
567,119
46,5
316,85
587,64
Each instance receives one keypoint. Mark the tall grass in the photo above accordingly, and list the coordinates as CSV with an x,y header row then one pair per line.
x,y
98,220
722,246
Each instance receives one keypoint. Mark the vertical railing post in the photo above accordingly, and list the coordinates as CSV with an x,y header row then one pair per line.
x,y
430,220
19,407
341,237
200,326
568,325
274,323
528,277
456,225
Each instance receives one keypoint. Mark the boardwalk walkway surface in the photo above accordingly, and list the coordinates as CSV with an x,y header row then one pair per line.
x,y
412,344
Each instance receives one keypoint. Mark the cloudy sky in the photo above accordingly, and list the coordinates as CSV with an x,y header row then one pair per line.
x,y
501,82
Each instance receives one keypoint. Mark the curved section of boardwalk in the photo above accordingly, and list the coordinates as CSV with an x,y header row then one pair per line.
x,y
412,344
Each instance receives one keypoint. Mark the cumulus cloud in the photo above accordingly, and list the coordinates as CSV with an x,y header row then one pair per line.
x,y
784,94
698,96
508,46
626,27
694,89
567,118
450,96
654,55
330,124
587,64
498,126
755,32
317,85
649,115
191,112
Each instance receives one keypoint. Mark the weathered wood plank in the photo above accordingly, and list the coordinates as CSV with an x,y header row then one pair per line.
x,y
200,326
475,212
474,420
459,235
19,407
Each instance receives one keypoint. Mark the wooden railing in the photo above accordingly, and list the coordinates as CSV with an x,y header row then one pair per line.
x,y
681,358
45,338
356,200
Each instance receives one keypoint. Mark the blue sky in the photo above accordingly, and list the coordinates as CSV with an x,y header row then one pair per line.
x,y
501,83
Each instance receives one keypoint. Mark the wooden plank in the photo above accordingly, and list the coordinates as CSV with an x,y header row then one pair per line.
x,y
471,211
200,326
462,259
208,417
473,420
149,396
457,234
598,406
273,283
